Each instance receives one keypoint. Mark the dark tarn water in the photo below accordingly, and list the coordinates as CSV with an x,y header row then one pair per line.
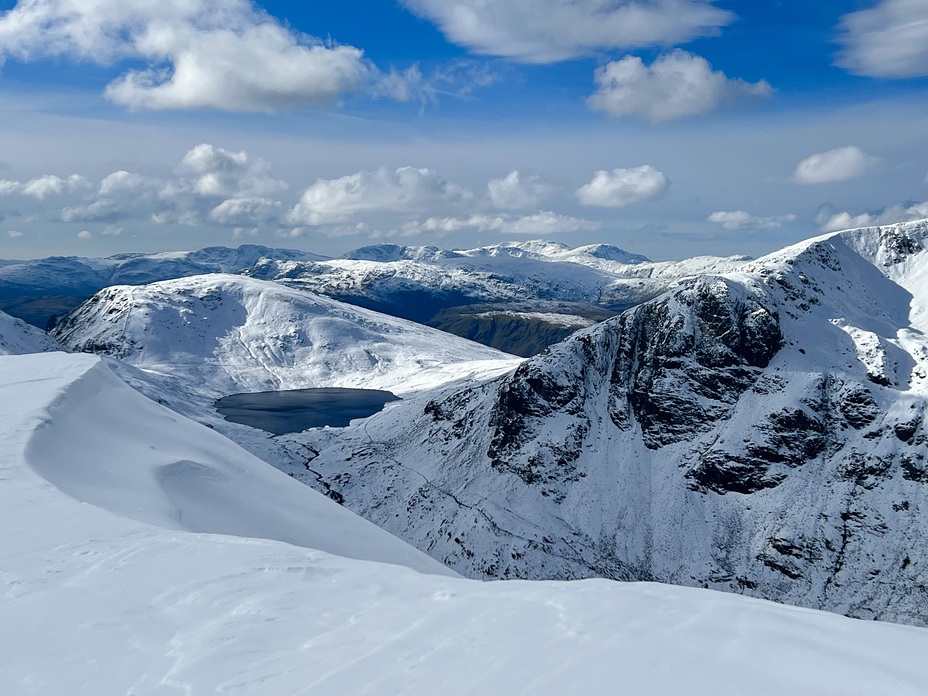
x,y
296,410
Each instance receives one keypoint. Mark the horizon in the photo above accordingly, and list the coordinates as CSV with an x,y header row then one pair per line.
x,y
722,128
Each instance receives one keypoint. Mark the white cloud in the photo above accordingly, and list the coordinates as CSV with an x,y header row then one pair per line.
x,y
220,173
85,234
199,53
742,220
44,186
621,187
517,191
889,40
243,212
840,164
896,213
122,181
675,85
540,224
112,231
545,31
13,234
404,190
210,183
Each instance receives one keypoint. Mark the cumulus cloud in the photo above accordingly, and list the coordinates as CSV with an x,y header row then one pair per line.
x,y
889,40
540,224
227,55
241,212
517,191
219,172
897,213
742,220
622,187
210,183
406,189
13,234
547,31
42,187
840,164
85,234
122,181
676,85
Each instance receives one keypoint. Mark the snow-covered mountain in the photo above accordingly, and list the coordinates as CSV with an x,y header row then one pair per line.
x,y
424,284
760,431
223,334
417,282
17,337
438,288
37,289
143,553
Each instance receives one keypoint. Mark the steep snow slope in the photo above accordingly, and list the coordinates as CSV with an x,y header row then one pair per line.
x,y
95,602
761,431
222,334
100,442
17,337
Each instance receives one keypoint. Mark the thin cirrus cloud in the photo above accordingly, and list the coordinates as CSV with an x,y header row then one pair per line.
x,y
741,220
406,189
675,85
889,40
226,55
621,187
547,31
839,164
517,191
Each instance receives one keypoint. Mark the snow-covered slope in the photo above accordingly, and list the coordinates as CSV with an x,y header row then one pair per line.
x,y
225,334
17,337
761,431
96,601
100,442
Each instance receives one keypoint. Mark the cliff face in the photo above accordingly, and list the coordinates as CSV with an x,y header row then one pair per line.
x,y
760,431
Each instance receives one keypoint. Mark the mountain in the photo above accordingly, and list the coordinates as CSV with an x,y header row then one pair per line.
x,y
222,334
143,553
423,283
760,431
40,289
18,337
521,280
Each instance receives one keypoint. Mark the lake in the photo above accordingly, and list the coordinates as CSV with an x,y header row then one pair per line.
x,y
294,410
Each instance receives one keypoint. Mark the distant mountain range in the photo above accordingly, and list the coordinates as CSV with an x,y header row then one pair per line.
x,y
517,297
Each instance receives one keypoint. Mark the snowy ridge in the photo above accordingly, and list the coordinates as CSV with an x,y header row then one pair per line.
x,y
18,337
145,462
760,431
96,602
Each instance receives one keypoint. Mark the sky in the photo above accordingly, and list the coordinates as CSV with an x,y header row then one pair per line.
x,y
670,128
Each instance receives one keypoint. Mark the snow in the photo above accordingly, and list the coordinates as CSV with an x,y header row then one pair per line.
x,y
110,586
223,334
18,337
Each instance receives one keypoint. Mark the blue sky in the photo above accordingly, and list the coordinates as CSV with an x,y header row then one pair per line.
x,y
668,127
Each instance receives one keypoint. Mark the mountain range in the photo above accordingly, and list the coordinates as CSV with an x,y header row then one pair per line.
x,y
747,427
